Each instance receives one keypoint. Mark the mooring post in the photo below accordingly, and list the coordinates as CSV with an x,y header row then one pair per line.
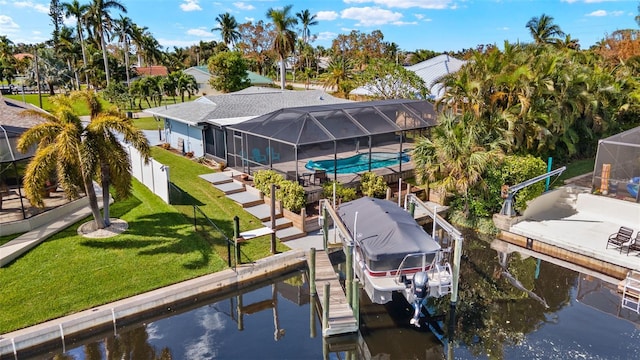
x,y
457,254
325,228
236,235
239,311
355,301
349,273
312,317
325,308
312,271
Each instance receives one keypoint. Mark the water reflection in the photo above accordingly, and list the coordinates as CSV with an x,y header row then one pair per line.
x,y
579,317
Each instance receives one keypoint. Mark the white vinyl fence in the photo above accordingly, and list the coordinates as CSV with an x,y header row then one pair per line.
x,y
153,175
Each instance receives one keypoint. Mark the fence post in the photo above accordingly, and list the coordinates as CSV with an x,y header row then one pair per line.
x,y
236,234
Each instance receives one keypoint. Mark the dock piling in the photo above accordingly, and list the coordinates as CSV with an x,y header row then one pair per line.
x,y
355,301
325,307
349,273
236,234
312,271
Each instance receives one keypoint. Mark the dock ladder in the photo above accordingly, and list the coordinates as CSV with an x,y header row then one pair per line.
x,y
631,292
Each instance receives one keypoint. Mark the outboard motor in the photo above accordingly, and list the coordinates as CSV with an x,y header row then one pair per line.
x,y
419,286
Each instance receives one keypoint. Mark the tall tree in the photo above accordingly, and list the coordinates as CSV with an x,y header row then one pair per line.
x,y
125,29
255,44
74,9
543,30
99,17
284,39
229,71
55,13
306,19
228,28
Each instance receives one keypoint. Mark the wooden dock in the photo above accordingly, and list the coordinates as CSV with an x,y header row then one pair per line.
x,y
341,319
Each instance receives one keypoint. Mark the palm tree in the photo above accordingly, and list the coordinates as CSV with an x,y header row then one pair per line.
x,y
284,40
543,30
228,27
98,15
74,9
113,158
457,154
306,19
338,75
124,29
61,151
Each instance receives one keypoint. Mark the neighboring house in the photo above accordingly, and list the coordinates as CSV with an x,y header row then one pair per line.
x,y
431,71
199,126
202,76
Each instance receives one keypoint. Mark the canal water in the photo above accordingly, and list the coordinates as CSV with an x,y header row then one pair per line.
x,y
563,314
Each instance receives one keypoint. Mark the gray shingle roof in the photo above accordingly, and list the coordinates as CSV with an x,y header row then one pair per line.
x,y
242,105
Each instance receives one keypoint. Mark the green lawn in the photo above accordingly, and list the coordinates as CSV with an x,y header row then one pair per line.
x,y
80,107
148,123
68,273
577,167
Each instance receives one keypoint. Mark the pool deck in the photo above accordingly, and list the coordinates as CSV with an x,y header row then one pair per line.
x,y
571,224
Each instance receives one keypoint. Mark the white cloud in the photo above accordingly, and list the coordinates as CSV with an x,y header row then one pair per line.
x,y
598,13
7,25
201,32
190,5
617,13
29,4
326,15
249,19
406,4
419,16
400,23
242,6
370,16
326,35
169,43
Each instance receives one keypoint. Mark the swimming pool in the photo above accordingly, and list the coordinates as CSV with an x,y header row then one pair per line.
x,y
359,162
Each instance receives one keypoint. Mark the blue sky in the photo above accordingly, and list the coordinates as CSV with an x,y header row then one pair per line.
x,y
438,25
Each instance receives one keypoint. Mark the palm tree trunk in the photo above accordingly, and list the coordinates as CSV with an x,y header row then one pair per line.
x,y
93,203
282,72
104,55
84,54
126,60
106,196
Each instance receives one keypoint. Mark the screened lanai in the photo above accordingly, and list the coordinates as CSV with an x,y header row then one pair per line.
x,y
617,166
335,139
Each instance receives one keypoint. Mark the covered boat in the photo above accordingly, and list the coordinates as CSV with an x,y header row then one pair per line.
x,y
392,253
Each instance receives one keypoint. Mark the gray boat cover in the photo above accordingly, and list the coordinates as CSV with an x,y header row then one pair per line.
x,y
385,230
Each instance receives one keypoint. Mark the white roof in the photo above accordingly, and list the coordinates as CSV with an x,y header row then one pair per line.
x,y
430,71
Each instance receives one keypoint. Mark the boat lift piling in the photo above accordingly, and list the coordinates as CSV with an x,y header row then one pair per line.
x,y
457,255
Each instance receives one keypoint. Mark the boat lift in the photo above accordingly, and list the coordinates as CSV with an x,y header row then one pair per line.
x,y
508,192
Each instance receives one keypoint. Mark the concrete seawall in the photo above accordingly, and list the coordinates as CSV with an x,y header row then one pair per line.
x,y
55,333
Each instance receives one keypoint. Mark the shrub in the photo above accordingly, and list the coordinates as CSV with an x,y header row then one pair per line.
x,y
166,146
343,194
513,170
373,185
263,179
290,194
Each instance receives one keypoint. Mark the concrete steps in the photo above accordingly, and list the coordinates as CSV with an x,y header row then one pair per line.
x,y
251,201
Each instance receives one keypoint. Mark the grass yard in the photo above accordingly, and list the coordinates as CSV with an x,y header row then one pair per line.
x,y
577,167
80,107
69,273
148,123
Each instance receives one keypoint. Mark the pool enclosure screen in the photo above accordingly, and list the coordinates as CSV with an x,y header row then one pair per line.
x,y
288,139
617,166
